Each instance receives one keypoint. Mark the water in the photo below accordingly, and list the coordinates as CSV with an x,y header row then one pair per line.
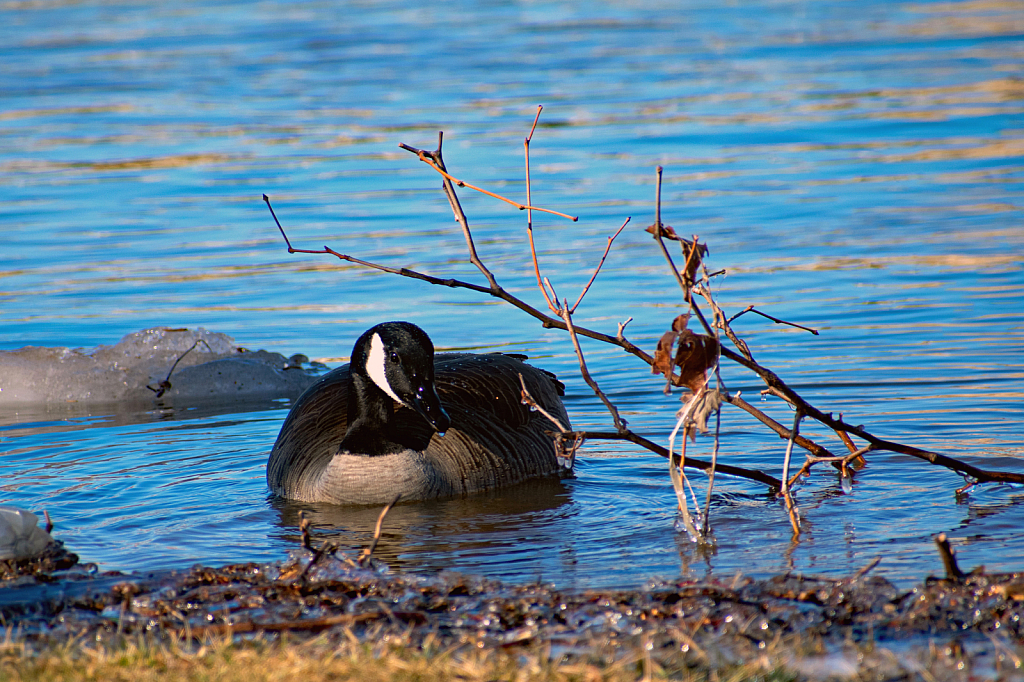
x,y
855,167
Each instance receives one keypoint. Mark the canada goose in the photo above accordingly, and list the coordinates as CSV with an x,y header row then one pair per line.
x,y
460,425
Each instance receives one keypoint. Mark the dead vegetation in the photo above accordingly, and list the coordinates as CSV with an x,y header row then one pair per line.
x,y
324,614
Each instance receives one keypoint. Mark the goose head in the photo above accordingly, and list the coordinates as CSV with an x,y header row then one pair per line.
x,y
397,359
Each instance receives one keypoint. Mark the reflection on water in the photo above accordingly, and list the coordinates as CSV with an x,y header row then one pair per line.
x,y
502,530
855,167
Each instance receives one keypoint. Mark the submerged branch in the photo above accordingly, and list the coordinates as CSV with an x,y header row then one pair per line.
x,y
778,387
741,472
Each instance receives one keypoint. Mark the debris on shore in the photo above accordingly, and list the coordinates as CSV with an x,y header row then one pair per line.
x,y
815,627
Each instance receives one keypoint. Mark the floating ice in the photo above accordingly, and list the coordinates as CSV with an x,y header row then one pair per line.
x,y
214,369
20,534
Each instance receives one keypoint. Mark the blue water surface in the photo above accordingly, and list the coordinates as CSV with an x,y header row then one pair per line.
x,y
854,167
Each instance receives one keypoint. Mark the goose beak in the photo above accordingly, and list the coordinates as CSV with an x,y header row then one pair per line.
x,y
426,401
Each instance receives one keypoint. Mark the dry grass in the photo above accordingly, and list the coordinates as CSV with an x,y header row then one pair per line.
x,y
224,660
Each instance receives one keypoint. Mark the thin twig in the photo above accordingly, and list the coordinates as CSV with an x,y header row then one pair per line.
x,y
437,161
565,460
783,432
620,423
426,158
529,400
842,462
547,282
794,513
165,385
948,556
364,558
529,214
607,248
752,309
848,442
668,257
676,475
723,323
714,465
657,235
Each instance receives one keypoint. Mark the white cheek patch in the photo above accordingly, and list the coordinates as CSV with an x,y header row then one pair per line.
x,y
375,366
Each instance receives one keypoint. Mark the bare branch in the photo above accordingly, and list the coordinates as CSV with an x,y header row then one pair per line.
x,y
794,513
620,423
840,462
953,572
778,387
775,385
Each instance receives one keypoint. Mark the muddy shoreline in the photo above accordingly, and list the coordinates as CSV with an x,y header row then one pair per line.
x,y
816,627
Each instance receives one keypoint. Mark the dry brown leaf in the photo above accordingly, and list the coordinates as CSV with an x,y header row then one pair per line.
x,y
663,354
695,355
694,252
666,231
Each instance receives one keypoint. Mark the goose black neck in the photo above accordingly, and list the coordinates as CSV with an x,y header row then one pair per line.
x,y
369,416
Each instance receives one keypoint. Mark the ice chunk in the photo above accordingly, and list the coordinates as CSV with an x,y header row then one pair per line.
x,y
20,534
206,365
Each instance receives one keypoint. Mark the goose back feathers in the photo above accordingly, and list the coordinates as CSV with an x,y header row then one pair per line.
x,y
372,429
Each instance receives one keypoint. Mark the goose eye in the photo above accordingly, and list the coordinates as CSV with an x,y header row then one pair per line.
x,y
395,358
